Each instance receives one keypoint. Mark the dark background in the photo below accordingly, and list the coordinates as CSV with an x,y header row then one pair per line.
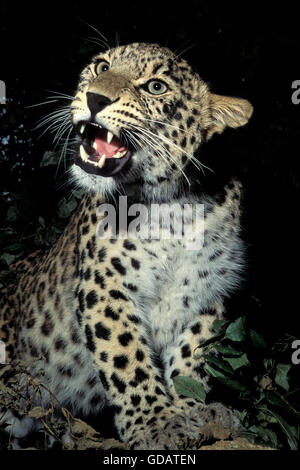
x,y
240,50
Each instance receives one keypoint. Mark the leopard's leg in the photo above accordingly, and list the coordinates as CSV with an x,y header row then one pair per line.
x,y
8,324
184,358
133,383
148,415
13,424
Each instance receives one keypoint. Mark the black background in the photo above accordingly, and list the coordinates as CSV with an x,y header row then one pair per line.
x,y
241,50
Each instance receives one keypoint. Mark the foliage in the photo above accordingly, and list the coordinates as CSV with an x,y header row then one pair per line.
x,y
23,230
20,391
261,380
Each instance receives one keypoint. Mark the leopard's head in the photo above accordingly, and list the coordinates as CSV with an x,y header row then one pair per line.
x,y
140,114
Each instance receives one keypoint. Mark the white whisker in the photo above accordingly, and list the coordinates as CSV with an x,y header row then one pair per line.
x,y
57,122
197,164
105,41
164,139
96,41
164,152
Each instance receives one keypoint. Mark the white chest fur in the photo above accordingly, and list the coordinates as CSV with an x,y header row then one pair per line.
x,y
171,285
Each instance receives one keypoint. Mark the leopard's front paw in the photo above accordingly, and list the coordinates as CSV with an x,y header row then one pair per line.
x,y
169,434
164,431
215,420
200,423
156,439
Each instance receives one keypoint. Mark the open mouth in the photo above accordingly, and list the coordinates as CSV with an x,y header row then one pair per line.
x,y
100,151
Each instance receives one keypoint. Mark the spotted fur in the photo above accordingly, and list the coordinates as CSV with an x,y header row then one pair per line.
x,y
116,319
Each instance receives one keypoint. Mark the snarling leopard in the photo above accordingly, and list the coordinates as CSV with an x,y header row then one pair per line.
x,y
116,309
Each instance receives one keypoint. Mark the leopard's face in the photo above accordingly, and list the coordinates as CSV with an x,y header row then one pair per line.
x,y
140,114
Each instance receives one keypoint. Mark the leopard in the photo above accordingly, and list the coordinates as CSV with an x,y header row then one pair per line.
x,y
113,313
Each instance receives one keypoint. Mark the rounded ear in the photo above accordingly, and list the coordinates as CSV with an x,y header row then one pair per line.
x,y
227,111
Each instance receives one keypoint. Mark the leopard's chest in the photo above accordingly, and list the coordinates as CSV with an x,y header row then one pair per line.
x,y
171,285
169,280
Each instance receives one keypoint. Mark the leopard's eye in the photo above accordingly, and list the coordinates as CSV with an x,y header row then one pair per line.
x,y
156,87
101,67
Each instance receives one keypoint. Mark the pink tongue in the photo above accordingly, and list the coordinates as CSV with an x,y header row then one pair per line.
x,y
108,149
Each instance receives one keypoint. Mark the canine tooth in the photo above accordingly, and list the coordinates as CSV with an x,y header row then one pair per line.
x,y
95,146
83,153
82,128
102,161
109,137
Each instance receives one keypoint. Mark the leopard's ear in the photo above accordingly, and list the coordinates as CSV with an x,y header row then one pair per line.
x,y
227,111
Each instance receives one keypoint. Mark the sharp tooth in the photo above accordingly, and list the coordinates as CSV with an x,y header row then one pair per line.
x,y
109,137
119,154
83,153
95,146
82,128
101,162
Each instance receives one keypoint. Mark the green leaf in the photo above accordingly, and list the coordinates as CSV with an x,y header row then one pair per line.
x,y
263,416
218,325
296,431
219,363
14,248
271,438
257,339
213,372
249,434
57,230
273,398
12,214
228,350
276,399
7,258
209,341
225,380
189,387
66,208
288,430
237,362
281,377
42,222
49,158
241,414
236,331
246,395
267,435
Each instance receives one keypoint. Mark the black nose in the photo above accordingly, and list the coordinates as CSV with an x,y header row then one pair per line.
x,y
96,103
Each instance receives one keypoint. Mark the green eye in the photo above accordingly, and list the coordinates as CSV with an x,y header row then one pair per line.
x,y
101,67
156,87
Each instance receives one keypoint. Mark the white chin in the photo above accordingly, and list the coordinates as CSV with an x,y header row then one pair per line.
x,y
92,183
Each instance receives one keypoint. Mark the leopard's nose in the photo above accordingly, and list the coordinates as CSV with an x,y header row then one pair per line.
x,y
96,102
